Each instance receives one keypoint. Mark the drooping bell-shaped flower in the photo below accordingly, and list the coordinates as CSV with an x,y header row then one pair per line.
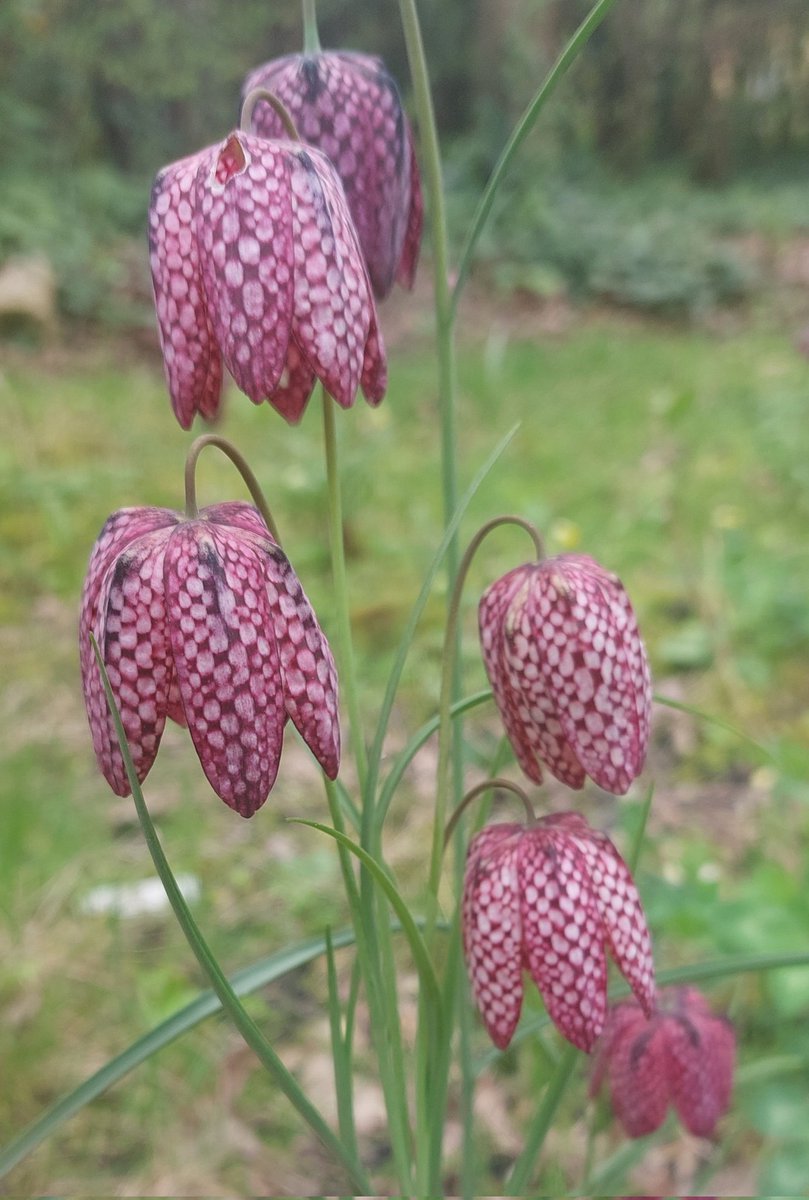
x,y
203,620
682,1055
348,105
551,898
569,671
255,261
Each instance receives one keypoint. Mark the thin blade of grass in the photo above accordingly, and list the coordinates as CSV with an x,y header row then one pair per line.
x,y
383,880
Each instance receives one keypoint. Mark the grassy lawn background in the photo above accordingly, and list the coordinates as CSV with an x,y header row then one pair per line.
x,y
677,457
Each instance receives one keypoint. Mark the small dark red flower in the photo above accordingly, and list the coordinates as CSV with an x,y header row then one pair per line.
x,y
204,621
551,898
568,670
682,1055
348,105
255,260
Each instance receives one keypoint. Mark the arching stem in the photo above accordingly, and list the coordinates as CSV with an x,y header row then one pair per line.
x,y
501,785
445,728
241,465
255,97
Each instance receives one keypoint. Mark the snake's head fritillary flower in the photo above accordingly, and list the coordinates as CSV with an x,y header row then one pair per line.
x,y
569,671
255,261
683,1055
203,620
551,898
348,105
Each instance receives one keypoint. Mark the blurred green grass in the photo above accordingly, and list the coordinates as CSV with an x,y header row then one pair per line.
x,y
679,459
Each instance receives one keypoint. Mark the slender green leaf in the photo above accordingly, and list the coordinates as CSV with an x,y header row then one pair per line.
x,y
409,927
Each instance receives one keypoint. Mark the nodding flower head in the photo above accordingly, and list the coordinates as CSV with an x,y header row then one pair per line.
x,y
255,261
682,1055
551,898
348,105
203,620
568,670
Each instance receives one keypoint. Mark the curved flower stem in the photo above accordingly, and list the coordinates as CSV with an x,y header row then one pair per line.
x,y
445,729
518,135
248,108
503,785
341,603
240,462
210,965
431,1112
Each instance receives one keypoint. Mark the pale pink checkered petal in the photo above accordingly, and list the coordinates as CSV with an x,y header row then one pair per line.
x,y
348,106
532,636
701,1052
638,1076
307,665
137,657
589,674
240,515
492,934
622,1018
493,607
226,660
192,359
374,377
295,386
332,310
621,911
122,530
245,224
563,940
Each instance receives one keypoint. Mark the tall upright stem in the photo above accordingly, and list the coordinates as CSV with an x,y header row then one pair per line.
x,y
431,159
341,603
311,38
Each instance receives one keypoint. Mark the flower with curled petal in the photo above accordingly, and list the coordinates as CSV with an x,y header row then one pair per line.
x,y
683,1055
569,671
203,620
348,105
550,898
255,261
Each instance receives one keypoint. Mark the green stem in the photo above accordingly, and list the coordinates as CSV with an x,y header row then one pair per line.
x,y
490,785
518,136
241,465
448,672
311,37
380,990
518,1180
341,604
407,637
431,158
279,108
230,1002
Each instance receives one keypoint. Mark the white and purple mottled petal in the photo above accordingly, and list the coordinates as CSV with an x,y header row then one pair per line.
x,y
191,355
226,660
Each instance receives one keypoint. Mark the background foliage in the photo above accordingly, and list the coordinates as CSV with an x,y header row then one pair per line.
x,y
96,97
